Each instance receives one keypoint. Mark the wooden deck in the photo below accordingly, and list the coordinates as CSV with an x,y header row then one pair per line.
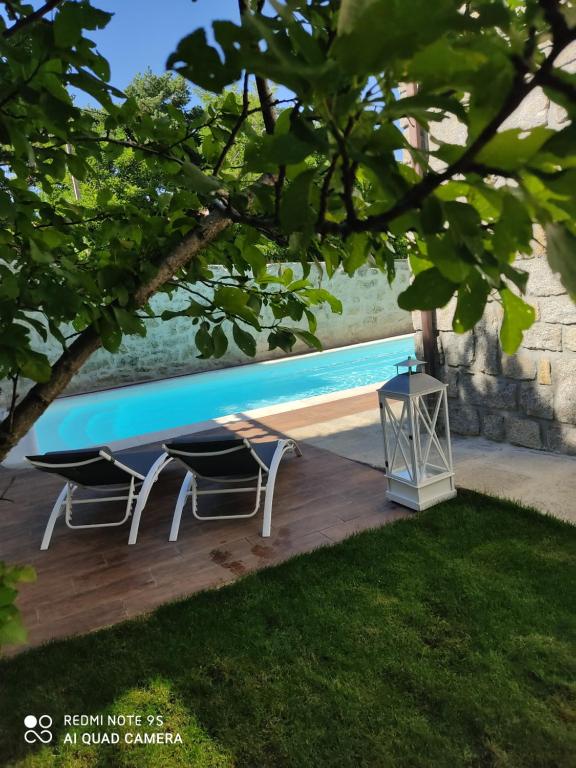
x,y
90,579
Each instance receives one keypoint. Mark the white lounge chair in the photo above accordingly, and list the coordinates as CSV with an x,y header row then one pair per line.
x,y
228,461
107,472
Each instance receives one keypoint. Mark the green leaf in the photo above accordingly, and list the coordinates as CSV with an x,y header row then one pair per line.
x,y
332,256
513,230
12,630
510,150
38,255
201,64
472,295
245,341
356,252
295,211
220,341
418,264
561,251
7,595
232,300
73,18
308,338
255,258
429,290
432,215
20,574
204,342
269,152
350,12
282,338
373,34
9,285
448,258
128,323
35,366
518,317
465,224
110,334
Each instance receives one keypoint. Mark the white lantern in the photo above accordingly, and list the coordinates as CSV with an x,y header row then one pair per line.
x,y
418,455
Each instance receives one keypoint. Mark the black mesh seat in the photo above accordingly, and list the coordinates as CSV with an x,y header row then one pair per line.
x,y
229,461
100,467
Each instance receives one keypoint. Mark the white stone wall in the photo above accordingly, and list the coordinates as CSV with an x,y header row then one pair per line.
x,y
370,312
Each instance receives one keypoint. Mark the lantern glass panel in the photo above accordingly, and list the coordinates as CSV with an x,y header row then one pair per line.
x,y
398,438
430,440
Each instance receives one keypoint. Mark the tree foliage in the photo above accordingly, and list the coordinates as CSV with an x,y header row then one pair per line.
x,y
317,172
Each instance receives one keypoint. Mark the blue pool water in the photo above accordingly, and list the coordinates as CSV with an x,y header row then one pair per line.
x,y
102,418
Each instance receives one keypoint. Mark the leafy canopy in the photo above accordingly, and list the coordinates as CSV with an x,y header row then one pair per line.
x,y
474,205
317,173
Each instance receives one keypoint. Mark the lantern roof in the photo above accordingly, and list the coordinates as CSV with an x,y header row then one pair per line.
x,y
410,362
411,384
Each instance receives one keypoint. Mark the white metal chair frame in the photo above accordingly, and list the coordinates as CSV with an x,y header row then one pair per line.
x,y
189,487
138,488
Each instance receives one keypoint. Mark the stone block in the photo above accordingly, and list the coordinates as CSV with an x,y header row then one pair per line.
x,y
487,352
444,316
536,400
543,336
450,376
417,320
544,371
541,281
562,438
558,309
458,349
569,338
523,432
418,346
488,391
565,380
464,420
493,426
520,366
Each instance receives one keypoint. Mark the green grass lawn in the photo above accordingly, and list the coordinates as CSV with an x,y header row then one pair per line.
x,y
444,640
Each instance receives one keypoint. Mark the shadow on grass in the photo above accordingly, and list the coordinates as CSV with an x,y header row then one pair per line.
x,y
442,640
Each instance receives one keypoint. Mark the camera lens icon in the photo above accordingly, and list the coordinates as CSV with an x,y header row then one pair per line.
x,y
38,729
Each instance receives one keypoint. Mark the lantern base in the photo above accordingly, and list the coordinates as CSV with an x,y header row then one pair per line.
x,y
422,497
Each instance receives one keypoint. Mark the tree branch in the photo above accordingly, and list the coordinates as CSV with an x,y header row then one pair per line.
x,y
555,83
266,103
234,132
25,21
264,94
37,400
431,181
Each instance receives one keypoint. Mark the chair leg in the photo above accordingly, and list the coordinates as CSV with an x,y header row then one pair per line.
x,y
283,447
182,496
54,515
149,481
195,493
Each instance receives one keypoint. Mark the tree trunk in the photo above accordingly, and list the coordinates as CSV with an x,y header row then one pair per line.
x,y
33,404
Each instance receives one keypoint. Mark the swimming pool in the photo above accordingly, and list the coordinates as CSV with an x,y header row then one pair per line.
x,y
117,417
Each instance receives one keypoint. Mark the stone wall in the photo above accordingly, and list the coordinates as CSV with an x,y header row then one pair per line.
x,y
526,399
370,312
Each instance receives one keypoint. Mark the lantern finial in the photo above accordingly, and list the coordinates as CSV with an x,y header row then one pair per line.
x,y
410,362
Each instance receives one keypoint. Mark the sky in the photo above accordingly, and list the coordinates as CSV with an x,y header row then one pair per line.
x,y
143,33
